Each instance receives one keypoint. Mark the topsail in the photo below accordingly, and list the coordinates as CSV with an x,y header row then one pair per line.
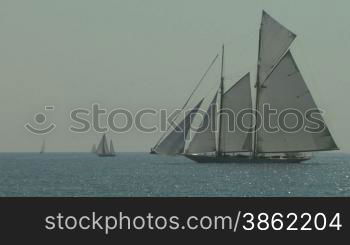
x,y
275,40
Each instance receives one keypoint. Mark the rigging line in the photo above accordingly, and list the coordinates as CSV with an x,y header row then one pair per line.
x,y
199,83
209,92
188,100
215,86
205,96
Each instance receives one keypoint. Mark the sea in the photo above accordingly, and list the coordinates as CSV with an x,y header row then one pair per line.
x,y
145,175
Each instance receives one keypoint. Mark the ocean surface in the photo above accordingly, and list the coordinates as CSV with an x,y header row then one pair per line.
x,y
143,175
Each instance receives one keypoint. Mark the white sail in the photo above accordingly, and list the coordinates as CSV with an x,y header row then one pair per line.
x,y
204,138
111,148
42,150
102,147
93,149
285,89
275,40
99,149
174,142
236,99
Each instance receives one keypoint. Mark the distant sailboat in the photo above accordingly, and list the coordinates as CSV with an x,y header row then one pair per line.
x,y
42,150
103,150
111,148
280,84
93,149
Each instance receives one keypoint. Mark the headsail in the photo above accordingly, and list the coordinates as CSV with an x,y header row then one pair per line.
x,y
285,89
174,142
102,147
236,99
204,138
275,40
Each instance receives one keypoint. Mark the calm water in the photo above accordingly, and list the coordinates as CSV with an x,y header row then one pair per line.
x,y
141,174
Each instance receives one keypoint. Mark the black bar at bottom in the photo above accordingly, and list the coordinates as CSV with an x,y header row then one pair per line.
x,y
128,219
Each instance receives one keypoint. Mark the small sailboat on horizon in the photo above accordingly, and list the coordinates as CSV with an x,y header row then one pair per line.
x,y
93,149
111,147
42,149
103,150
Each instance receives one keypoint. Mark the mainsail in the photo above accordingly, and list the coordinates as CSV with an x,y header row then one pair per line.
x,y
204,139
236,102
102,147
174,142
285,89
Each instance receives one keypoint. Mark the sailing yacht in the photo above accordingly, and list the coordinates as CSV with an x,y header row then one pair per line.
x,y
111,148
93,149
103,150
42,149
280,84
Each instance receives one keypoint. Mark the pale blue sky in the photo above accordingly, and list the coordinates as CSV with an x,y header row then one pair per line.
x,y
151,53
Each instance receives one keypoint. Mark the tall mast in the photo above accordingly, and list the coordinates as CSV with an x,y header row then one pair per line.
x,y
187,101
218,152
257,86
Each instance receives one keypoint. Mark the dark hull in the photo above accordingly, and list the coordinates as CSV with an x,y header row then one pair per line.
x,y
235,159
152,151
106,155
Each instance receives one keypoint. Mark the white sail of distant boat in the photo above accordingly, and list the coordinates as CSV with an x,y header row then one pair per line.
x,y
111,148
42,149
280,84
103,149
93,149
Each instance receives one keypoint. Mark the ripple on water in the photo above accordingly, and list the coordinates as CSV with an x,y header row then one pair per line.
x,y
141,174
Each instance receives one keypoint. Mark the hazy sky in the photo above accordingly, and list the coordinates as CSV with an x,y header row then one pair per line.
x,y
151,53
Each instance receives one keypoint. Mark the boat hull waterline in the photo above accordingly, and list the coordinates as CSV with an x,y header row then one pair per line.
x,y
235,159
106,155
